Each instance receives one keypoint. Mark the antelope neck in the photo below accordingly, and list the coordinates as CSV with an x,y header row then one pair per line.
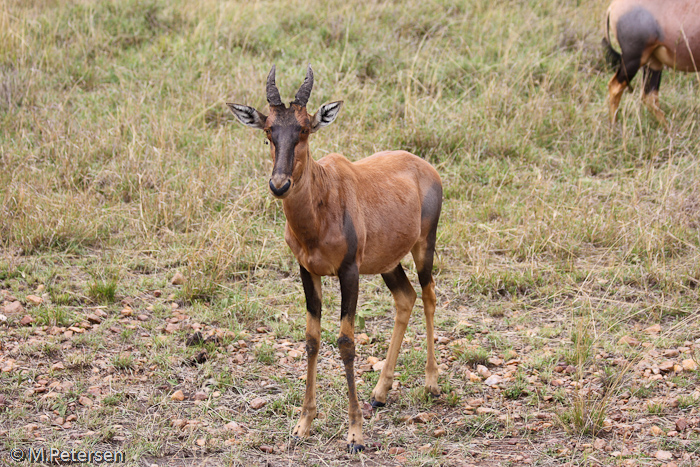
x,y
301,207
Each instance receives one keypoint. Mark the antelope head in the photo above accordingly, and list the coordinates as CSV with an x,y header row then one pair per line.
x,y
288,130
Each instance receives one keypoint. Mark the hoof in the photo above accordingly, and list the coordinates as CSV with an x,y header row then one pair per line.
x,y
376,404
355,448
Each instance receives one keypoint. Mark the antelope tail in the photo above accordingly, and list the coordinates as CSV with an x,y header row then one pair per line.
x,y
612,55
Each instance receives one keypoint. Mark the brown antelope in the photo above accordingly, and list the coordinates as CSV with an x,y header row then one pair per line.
x,y
650,34
345,219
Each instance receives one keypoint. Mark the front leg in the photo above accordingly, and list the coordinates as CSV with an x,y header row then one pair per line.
x,y
313,293
349,286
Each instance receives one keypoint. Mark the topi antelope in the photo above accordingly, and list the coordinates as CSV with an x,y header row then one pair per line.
x,y
345,219
650,34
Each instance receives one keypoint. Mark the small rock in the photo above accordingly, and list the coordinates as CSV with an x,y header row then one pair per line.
x,y
655,329
682,424
267,449
234,427
379,365
34,300
178,279
493,380
671,353
372,360
362,339
58,366
200,396
483,371
257,403
689,364
26,320
663,455
178,396
85,401
629,340
13,308
94,319
424,417
656,431
439,432
142,318
127,312
396,450
666,366
201,442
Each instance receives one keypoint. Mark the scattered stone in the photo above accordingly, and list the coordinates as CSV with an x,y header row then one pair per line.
x,y
666,366
379,365
396,450
483,371
178,396
234,427
85,401
663,455
34,300
58,366
257,403
362,339
142,318
439,432
424,417
655,329
671,353
689,364
682,424
200,396
201,442
372,360
178,279
656,431
493,380
26,320
127,311
14,308
629,340
93,318
267,449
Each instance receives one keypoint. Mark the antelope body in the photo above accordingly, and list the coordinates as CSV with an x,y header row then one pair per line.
x,y
650,34
345,219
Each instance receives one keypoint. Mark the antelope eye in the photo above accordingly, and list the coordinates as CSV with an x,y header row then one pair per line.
x,y
304,131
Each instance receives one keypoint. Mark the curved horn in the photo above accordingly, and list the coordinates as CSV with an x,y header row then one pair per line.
x,y
302,96
273,94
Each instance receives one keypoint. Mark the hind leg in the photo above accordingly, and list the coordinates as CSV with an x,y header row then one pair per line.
x,y
404,298
652,82
423,253
618,84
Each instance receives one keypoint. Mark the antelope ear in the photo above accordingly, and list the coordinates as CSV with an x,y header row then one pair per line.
x,y
325,115
248,115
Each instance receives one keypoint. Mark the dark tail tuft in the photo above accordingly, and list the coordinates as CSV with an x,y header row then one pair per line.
x,y
611,56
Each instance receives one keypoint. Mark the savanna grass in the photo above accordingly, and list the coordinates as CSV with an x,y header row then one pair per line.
x,y
120,164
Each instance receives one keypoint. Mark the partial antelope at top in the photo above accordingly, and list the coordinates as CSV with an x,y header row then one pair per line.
x,y
650,34
345,219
